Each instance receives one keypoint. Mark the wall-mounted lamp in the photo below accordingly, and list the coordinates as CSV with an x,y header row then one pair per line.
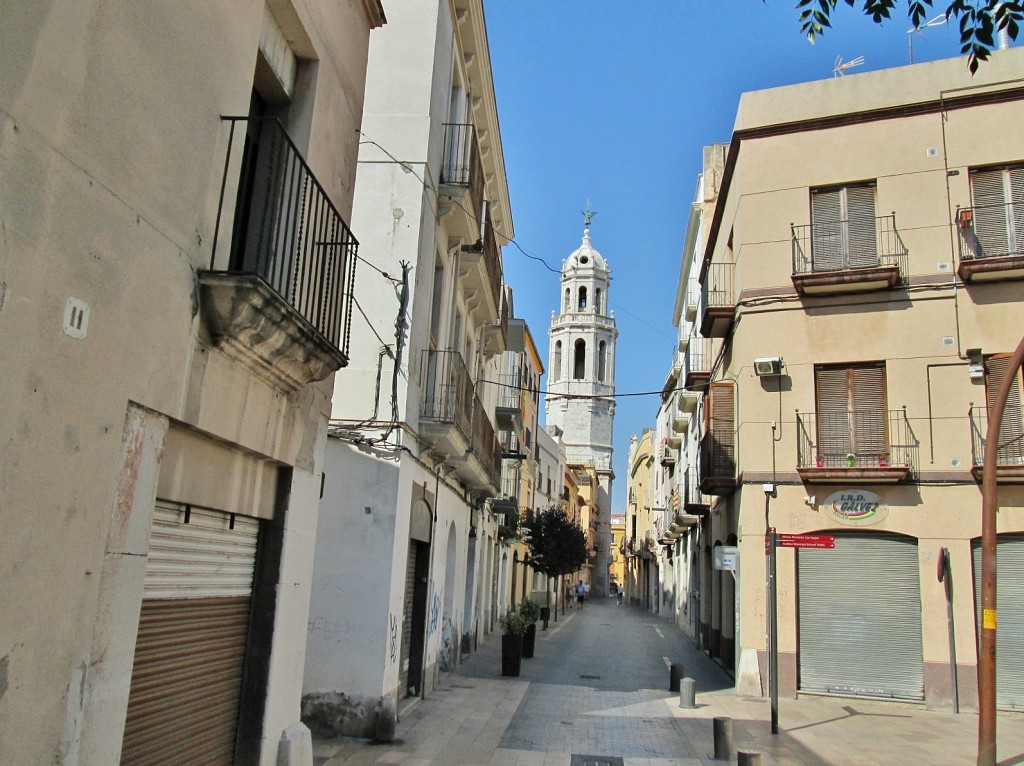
x,y
767,366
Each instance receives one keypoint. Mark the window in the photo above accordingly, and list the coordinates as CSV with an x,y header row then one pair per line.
x,y
1011,431
718,456
602,353
567,299
851,413
579,360
843,230
597,300
998,197
556,367
582,298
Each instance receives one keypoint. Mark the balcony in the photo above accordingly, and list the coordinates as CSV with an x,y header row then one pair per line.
x,y
666,455
699,357
1009,453
283,304
855,447
509,410
695,502
453,420
511,445
717,461
462,182
991,242
480,278
495,334
850,256
718,300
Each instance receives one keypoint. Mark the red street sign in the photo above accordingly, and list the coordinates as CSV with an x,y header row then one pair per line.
x,y
807,541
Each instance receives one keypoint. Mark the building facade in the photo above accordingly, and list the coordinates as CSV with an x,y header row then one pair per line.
x,y
410,570
581,383
172,324
860,286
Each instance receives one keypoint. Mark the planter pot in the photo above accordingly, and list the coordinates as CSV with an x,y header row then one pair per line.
x,y
529,640
511,654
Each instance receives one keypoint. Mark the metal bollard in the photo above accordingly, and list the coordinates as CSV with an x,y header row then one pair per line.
x,y
688,693
723,738
675,672
748,758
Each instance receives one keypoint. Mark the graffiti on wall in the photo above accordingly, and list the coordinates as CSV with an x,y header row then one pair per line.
x,y
435,614
393,639
445,656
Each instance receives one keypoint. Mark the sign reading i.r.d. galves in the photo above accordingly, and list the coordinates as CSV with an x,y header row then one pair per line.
x,y
855,507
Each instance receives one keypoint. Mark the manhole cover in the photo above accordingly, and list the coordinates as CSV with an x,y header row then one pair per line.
x,y
596,760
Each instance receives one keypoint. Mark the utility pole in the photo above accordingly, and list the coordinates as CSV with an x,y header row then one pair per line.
x,y
989,506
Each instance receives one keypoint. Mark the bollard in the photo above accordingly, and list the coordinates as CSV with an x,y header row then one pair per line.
x,y
723,739
675,672
688,693
748,758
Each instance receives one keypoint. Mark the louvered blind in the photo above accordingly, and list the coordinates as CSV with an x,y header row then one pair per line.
x,y
869,421
1011,430
998,211
723,429
834,432
851,410
843,228
827,230
862,244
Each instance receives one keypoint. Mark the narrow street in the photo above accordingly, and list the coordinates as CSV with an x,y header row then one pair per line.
x,y
598,686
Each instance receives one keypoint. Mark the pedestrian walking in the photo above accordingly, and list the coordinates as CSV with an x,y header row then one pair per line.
x,y
581,593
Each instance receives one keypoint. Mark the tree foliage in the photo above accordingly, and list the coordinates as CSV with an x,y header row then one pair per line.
x,y
979,20
557,544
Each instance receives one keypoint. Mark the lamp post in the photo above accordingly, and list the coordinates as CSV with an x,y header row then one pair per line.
x,y
989,506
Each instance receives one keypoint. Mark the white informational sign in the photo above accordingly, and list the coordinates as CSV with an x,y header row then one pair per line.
x,y
726,557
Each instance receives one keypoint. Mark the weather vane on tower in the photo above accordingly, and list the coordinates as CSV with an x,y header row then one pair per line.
x,y
588,215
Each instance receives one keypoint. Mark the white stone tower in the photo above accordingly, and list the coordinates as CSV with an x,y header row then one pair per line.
x,y
581,381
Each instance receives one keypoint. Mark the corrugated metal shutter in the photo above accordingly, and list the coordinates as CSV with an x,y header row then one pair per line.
x,y
1010,617
407,611
1011,430
860,617
190,650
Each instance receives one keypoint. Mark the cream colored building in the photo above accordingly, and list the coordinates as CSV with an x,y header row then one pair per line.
x,y
176,277
411,571
640,548
861,282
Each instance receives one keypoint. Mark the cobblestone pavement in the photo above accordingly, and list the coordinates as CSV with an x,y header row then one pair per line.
x,y
597,686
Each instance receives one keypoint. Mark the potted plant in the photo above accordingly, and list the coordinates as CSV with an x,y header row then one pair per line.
x,y
513,626
851,460
530,612
821,461
883,458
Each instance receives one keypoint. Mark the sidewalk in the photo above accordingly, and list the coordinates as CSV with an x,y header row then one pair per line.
x,y
598,687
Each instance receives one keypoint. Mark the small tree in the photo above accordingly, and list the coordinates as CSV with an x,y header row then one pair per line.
x,y
557,545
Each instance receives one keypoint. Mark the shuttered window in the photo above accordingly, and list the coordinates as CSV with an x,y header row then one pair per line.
x,y
998,196
851,412
721,414
843,228
1011,430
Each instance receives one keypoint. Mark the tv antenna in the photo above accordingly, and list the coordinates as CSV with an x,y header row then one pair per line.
x,y
938,21
839,70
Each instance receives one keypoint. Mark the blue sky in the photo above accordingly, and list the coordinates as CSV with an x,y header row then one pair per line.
x,y
612,101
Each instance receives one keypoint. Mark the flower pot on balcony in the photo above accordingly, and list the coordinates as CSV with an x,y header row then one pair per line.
x,y
529,641
511,653
821,462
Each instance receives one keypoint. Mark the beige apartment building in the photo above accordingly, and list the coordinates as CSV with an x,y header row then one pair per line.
x,y
176,286
861,279
640,543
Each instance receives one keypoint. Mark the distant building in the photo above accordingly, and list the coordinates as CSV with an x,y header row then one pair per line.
x,y
581,385
640,548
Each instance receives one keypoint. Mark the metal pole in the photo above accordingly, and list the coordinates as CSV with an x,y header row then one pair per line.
x,y
773,629
947,581
989,505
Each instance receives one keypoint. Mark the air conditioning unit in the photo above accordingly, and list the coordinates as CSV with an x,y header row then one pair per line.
x,y
767,366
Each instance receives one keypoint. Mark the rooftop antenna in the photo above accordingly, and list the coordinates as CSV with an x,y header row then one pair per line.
x,y
938,21
839,70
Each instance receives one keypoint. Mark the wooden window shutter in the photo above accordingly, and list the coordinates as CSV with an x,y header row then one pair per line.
x,y
723,428
1011,431
826,230
833,412
862,241
851,411
843,228
988,189
869,414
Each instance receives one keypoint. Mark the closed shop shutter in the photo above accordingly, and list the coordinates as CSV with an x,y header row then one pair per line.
x,y
860,617
1010,617
1011,431
190,650
407,611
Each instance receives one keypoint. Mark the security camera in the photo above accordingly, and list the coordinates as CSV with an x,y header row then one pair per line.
x,y
770,490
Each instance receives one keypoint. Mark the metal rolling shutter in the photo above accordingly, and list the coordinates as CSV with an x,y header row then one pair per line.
x,y
860,617
410,589
190,650
1010,617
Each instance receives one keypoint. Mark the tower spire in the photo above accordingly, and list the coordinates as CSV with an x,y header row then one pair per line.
x,y
588,215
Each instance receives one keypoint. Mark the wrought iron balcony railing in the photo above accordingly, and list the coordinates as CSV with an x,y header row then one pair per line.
x,y
286,230
846,245
859,439
991,231
1010,450
717,286
447,390
461,165
485,442
717,465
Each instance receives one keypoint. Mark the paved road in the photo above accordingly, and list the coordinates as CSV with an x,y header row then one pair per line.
x,y
598,686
